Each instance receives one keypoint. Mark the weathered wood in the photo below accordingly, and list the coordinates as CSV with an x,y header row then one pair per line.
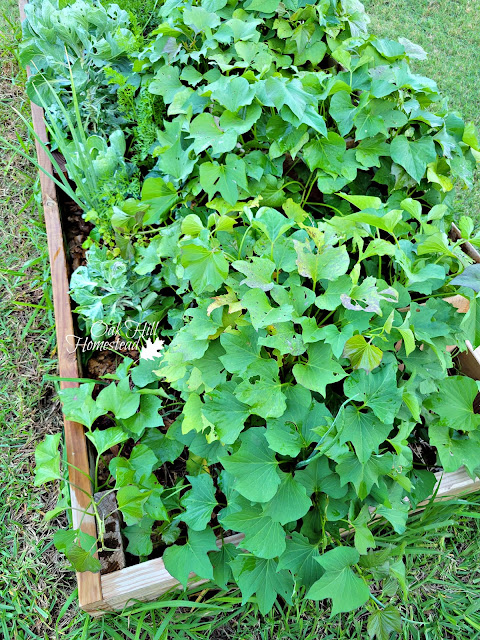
x,y
89,586
467,247
454,484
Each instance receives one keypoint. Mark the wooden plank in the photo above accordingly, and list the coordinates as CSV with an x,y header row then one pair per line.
x,y
89,585
145,581
467,247
469,362
455,483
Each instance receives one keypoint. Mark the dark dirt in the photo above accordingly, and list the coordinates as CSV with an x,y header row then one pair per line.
x,y
105,362
76,230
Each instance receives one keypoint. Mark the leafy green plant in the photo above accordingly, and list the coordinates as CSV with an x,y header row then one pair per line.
x,y
142,13
110,292
86,37
300,209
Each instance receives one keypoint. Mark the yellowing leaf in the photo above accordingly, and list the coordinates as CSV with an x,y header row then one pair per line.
x,y
362,354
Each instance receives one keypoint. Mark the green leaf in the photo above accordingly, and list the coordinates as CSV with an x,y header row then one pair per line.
x,y
383,622
104,439
369,151
290,503
272,223
326,153
258,272
147,417
413,156
223,409
454,403
363,202
388,48
226,178
206,268
78,404
194,418
364,475
222,572
331,299
79,548
471,322
166,83
329,263
200,19
139,538
376,117
254,467
362,354
407,335
264,537
300,557
269,6
119,399
386,221
165,448
277,91
264,395
207,133
192,225
285,339
293,431
242,348
262,578
320,370
346,590
363,430
364,539
262,314
199,502
232,92
131,501
47,460
242,121
142,460
318,477
377,390
455,449
342,111
161,197
193,556
143,374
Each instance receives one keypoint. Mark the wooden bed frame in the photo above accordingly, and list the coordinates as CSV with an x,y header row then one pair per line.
x,y
97,593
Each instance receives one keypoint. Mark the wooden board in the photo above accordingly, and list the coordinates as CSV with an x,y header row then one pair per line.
x,y
467,247
89,586
148,580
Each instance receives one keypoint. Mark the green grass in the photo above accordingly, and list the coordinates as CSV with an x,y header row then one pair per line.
x,y
37,597
449,31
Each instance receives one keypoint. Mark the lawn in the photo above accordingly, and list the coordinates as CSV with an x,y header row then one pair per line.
x,y
36,588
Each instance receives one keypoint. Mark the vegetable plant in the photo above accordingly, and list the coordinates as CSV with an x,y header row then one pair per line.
x,y
292,231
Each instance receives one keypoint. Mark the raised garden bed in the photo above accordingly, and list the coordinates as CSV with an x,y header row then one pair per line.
x,y
146,581
100,593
